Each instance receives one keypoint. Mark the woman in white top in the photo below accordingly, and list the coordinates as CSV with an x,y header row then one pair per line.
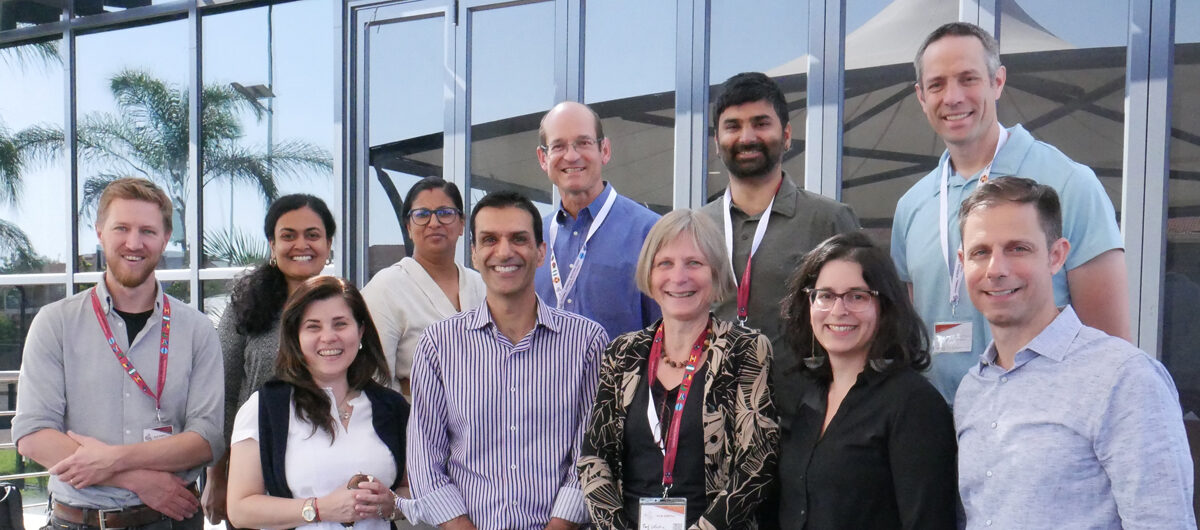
x,y
415,292
324,443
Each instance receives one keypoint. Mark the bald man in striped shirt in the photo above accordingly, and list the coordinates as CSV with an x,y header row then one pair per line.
x,y
501,393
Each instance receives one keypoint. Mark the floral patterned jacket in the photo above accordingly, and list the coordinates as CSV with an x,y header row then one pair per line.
x,y
740,430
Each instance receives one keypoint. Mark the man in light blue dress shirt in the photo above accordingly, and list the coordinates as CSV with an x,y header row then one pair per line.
x,y
501,393
595,229
1059,424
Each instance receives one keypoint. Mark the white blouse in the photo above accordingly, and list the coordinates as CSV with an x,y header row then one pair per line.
x,y
314,468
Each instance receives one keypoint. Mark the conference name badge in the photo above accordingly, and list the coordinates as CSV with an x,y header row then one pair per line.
x,y
953,337
662,513
157,433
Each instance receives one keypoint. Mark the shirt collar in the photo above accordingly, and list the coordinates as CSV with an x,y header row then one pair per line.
x,y
1052,343
1008,160
106,300
481,317
785,198
592,209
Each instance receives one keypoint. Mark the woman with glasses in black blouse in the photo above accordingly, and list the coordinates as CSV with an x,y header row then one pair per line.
x,y
871,443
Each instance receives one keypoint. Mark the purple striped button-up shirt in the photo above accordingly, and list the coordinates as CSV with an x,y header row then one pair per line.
x,y
495,426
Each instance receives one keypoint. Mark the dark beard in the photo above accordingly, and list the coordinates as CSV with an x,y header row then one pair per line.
x,y
751,169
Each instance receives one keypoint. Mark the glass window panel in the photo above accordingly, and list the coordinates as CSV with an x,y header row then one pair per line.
x,y
18,306
132,121
33,178
268,76
24,13
635,99
887,144
406,91
1066,79
216,297
1181,285
512,86
760,36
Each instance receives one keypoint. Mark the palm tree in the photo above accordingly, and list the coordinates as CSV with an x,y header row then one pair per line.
x,y
148,137
13,241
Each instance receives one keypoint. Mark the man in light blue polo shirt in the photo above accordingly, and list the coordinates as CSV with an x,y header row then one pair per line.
x,y
959,79
1059,424
594,238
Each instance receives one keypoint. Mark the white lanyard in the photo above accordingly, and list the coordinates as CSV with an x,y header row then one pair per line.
x,y
759,232
562,289
955,266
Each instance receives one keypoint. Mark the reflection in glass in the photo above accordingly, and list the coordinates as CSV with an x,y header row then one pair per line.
x,y
1066,80
84,8
407,125
1181,284
216,297
24,13
512,86
268,105
635,99
33,220
760,36
20,304
887,144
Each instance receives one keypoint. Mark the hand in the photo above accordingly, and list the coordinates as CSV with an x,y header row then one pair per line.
x,y
561,524
94,462
164,492
338,507
375,500
214,497
461,522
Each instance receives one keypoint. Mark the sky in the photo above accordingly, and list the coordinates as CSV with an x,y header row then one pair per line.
x,y
624,56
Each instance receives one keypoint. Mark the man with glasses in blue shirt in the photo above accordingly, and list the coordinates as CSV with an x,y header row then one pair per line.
x,y
594,237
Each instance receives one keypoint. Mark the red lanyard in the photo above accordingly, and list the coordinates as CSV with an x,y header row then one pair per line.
x,y
743,287
163,346
672,441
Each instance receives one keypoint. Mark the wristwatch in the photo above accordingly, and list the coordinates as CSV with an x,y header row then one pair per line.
x,y
309,511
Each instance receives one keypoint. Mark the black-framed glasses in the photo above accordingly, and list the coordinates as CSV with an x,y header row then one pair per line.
x,y
580,145
853,300
445,215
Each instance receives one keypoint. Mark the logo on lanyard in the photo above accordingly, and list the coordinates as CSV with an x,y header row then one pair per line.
x,y
743,286
127,365
562,289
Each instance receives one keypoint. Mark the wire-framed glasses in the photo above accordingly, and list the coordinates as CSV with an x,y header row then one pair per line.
x,y
853,300
580,145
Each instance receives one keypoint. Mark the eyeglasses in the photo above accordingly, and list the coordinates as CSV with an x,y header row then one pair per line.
x,y
580,145
853,300
421,216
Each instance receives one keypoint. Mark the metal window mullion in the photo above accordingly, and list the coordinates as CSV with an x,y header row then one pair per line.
x,y
692,21
826,84
575,46
983,13
353,82
460,138
72,140
341,69
193,238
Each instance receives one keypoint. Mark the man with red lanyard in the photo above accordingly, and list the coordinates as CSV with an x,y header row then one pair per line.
x,y
120,393
768,223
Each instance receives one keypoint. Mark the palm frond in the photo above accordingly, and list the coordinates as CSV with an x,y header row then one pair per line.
x,y
235,247
92,188
13,241
44,53
40,143
11,163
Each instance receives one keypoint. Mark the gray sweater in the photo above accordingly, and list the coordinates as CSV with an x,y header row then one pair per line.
x,y
249,362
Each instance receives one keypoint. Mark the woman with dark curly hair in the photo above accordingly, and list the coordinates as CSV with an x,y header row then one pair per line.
x,y
299,230
322,446
871,443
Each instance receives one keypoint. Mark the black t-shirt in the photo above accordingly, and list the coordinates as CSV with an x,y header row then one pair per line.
x,y
134,322
643,466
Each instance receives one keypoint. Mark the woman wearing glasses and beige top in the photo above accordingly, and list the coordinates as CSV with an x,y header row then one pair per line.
x,y
871,443
415,292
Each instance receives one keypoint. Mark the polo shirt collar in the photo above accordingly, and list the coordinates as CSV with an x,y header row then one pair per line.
x,y
592,209
1007,163
106,301
481,317
785,198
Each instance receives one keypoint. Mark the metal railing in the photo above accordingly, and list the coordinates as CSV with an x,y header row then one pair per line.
x,y
9,378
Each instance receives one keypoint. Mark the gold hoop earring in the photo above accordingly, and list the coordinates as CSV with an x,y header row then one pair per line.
x,y
273,262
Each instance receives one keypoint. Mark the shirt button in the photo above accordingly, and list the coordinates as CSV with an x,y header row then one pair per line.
x,y
512,427
513,467
989,473
994,425
988,522
745,237
575,233
127,431
570,301
512,389
1004,379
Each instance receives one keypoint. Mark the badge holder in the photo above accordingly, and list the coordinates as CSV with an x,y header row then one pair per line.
x,y
662,513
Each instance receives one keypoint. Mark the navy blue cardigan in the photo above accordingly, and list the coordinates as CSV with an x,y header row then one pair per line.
x,y
389,416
